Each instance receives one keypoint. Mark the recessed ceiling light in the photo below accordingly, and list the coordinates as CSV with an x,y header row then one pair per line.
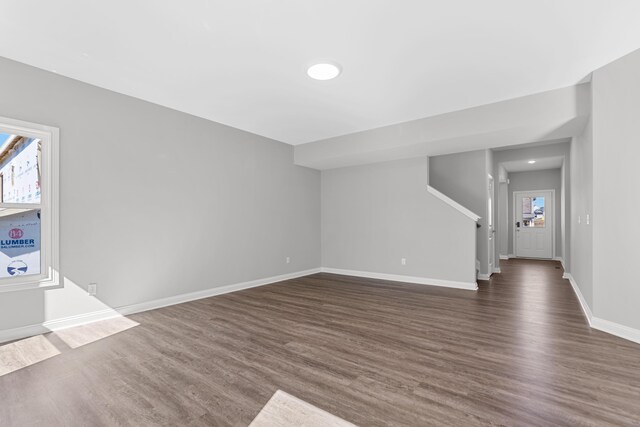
x,y
324,71
531,162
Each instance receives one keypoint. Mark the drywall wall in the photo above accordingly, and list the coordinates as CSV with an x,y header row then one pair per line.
x,y
154,202
375,215
463,177
550,179
581,206
544,116
616,132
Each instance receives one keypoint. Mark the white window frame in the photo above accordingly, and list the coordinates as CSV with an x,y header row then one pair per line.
x,y
49,206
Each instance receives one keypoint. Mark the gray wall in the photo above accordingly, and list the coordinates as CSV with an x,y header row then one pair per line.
x,y
463,177
374,215
155,202
581,206
616,152
550,179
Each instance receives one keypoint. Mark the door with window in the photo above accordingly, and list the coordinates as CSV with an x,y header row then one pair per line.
x,y
533,228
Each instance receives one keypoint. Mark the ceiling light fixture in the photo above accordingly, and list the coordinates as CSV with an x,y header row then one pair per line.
x,y
324,71
531,162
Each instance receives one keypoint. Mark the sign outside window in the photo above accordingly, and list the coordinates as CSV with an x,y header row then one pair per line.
x,y
20,228
20,244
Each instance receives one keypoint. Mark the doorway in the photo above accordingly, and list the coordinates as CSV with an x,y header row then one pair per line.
x,y
534,235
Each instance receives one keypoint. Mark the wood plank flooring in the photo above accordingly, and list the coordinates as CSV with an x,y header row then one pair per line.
x,y
518,352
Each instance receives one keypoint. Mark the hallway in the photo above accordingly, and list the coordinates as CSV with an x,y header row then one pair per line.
x,y
568,374
516,352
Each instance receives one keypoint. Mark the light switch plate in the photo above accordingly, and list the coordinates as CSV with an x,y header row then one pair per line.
x,y
92,288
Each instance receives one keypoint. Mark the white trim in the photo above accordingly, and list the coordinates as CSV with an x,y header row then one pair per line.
x,y
616,329
559,258
497,270
49,206
511,256
583,302
178,299
472,286
22,332
483,276
553,220
85,318
603,325
504,257
80,319
455,205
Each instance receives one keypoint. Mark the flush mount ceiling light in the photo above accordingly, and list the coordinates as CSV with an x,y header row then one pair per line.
x,y
531,162
324,71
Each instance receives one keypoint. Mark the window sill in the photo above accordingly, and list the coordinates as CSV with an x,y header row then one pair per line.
x,y
38,282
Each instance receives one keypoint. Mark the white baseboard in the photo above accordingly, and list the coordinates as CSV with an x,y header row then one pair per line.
x,y
22,332
58,324
482,276
497,270
603,325
178,299
583,302
472,286
83,319
507,257
616,329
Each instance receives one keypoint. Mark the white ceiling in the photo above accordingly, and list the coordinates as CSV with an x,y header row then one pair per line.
x,y
540,164
243,62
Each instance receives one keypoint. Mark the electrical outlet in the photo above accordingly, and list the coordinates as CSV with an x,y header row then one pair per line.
x,y
587,219
92,289
579,219
403,261
288,260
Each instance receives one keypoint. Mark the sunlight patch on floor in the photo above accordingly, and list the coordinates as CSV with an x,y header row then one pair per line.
x,y
284,410
82,335
26,352
29,351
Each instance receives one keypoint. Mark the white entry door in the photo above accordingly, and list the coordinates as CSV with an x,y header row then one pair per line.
x,y
533,228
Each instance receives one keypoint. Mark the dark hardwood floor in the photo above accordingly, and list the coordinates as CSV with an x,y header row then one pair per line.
x,y
517,352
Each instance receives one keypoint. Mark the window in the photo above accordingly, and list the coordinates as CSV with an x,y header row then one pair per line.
x,y
533,212
28,205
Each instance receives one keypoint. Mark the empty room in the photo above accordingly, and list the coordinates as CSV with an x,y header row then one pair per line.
x,y
319,213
